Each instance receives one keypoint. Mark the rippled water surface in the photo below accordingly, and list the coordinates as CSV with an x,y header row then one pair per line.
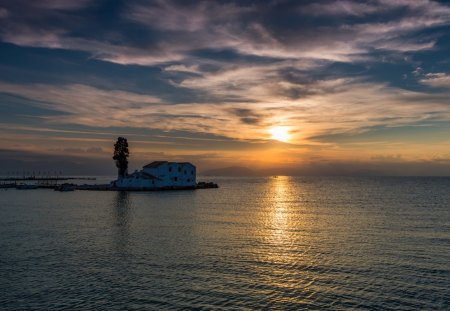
x,y
254,243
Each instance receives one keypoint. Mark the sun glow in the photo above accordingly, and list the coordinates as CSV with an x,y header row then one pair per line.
x,y
280,133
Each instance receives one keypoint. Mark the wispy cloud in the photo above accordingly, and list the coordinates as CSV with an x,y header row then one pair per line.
x,y
340,8
438,79
329,106
174,30
3,13
360,8
185,17
60,4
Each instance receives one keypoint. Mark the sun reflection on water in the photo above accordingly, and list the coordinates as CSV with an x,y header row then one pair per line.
x,y
279,218
285,255
279,222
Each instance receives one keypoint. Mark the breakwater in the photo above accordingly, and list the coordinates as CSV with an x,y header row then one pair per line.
x,y
101,187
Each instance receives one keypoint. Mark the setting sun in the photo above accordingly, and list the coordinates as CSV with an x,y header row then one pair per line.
x,y
280,133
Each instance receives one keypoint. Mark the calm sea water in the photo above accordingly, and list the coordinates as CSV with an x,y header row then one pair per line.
x,y
255,243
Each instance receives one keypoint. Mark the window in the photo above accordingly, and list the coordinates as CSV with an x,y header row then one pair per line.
x,y
170,169
153,182
175,178
179,169
188,180
192,172
185,172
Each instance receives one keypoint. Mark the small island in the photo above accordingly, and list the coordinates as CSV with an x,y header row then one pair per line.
x,y
157,175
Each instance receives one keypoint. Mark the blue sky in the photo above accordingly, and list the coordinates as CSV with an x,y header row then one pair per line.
x,y
360,86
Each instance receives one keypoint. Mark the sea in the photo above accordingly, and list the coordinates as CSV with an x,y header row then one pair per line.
x,y
256,243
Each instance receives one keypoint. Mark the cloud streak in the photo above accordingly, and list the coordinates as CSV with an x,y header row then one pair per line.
x,y
439,79
175,29
326,106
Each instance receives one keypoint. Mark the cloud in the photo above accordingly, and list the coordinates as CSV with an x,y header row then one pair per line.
x,y
183,68
339,8
323,106
80,99
388,158
94,150
3,13
247,116
171,31
439,79
70,150
242,29
418,71
186,17
59,4
359,8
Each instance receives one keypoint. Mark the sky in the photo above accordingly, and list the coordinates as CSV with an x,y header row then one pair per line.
x,y
281,87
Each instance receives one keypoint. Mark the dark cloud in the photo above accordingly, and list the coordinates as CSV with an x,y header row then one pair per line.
x,y
247,116
151,32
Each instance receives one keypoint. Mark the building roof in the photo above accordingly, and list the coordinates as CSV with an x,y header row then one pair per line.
x,y
189,163
155,164
142,175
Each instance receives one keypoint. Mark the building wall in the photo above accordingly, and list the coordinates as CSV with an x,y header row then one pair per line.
x,y
168,175
174,174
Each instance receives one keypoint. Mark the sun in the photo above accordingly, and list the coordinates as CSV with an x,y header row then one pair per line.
x,y
280,133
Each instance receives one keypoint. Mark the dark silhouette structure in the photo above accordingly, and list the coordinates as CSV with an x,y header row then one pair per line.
x,y
121,154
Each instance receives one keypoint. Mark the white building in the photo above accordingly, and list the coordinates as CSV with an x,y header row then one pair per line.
x,y
160,175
